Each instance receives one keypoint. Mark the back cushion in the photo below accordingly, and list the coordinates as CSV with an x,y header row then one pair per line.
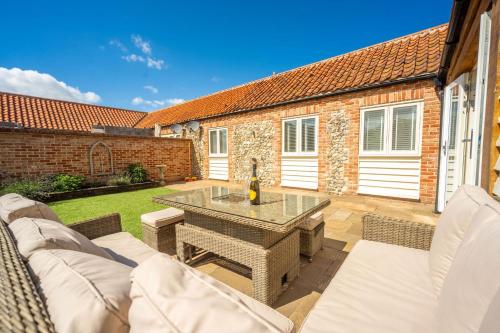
x,y
83,292
14,206
491,321
473,279
35,234
168,296
450,230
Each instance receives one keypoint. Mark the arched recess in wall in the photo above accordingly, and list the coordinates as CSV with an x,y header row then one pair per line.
x,y
100,159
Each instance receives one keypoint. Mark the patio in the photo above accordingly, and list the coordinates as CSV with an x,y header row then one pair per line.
x,y
342,231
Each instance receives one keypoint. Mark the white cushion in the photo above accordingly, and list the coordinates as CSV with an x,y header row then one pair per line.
x,y
163,217
14,206
379,288
168,296
450,230
82,292
125,248
312,221
474,276
491,321
35,234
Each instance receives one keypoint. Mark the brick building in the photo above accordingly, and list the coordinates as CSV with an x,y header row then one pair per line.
x,y
364,122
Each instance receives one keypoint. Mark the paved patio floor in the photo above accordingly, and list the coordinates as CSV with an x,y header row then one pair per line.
x,y
342,231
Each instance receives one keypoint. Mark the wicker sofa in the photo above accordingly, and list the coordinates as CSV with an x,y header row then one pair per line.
x,y
414,277
163,294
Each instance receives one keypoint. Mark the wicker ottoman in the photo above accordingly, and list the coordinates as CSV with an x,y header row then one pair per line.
x,y
312,233
158,229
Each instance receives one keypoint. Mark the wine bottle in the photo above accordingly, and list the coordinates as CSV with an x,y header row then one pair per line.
x,y
254,189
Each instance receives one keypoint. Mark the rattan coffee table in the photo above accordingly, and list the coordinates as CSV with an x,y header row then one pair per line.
x,y
263,238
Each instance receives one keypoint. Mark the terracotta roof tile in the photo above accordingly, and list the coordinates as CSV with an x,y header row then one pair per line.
x,y
405,57
36,112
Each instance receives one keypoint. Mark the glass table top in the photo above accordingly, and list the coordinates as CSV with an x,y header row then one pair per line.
x,y
276,208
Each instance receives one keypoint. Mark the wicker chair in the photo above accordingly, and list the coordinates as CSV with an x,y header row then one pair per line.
x,y
390,230
21,307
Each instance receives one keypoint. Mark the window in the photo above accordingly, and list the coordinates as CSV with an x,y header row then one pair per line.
x,y
217,141
391,130
373,133
300,136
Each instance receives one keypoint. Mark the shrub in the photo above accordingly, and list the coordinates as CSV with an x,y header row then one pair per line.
x,y
33,189
136,173
66,183
119,180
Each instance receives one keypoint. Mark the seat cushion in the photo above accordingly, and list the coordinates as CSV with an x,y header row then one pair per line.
x,y
312,221
35,234
473,279
14,206
379,288
169,296
83,292
163,217
125,248
450,230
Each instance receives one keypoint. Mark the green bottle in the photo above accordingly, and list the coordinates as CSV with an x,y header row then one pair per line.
x,y
254,189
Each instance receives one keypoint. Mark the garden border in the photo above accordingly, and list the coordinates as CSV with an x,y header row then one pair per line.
x,y
93,191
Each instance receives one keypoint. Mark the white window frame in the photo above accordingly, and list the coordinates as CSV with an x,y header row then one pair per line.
x,y
218,130
388,118
172,136
298,142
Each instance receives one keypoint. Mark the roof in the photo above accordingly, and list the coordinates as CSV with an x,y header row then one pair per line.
x,y
36,112
410,57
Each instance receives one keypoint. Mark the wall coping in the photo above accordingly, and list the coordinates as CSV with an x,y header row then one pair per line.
x,y
45,131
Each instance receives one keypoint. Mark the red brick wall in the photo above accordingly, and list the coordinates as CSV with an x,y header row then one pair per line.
x,y
350,103
30,153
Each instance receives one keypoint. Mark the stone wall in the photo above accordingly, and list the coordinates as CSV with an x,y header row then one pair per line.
x,y
197,153
338,140
30,153
254,140
337,128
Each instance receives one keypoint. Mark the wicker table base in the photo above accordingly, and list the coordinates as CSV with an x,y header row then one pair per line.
x,y
272,267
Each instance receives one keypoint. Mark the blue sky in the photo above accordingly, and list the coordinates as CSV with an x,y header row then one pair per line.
x,y
111,51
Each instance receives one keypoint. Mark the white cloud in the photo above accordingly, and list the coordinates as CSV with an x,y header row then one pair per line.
x,y
215,79
153,89
155,63
30,82
156,103
175,101
119,45
133,58
143,45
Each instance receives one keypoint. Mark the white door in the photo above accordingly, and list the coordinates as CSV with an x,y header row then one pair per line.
x,y
217,155
299,161
463,123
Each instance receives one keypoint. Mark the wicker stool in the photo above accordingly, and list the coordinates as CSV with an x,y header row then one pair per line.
x,y
158,228
312,233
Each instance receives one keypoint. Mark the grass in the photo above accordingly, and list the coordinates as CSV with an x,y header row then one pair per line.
x,y
130,205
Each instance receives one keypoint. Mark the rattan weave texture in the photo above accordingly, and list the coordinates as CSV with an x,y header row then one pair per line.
x,y
397,231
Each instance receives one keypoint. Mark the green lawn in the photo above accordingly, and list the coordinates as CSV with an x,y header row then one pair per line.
x,y
130,205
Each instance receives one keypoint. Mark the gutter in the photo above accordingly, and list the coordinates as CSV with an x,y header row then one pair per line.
x,y
457,18
328,94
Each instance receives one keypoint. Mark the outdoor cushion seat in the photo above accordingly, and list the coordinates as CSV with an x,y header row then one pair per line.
x,y
125,248
14,206
472,282
163,217
312,221
451,227
379,288
169,296
83,292
33,234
